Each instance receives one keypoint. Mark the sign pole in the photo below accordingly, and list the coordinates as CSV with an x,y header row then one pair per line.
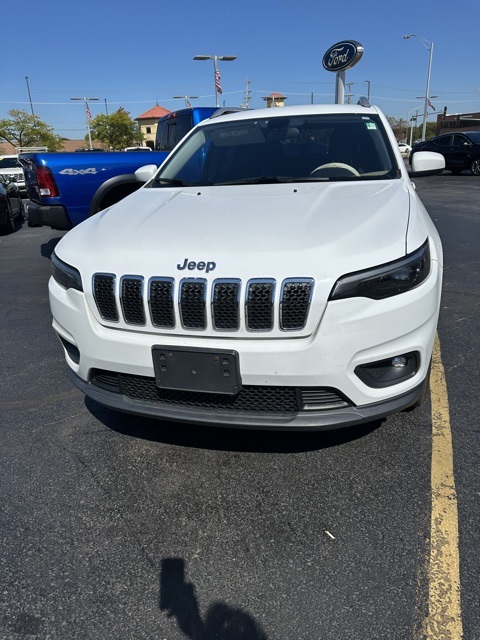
x,y
340,88
342,56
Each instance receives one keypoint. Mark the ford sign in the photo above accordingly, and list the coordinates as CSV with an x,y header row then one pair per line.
x,y
342,55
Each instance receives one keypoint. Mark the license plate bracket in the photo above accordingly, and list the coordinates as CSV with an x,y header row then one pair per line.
x,y
195,369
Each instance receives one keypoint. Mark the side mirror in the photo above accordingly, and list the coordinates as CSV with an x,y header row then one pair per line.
x,y
427,163
145,173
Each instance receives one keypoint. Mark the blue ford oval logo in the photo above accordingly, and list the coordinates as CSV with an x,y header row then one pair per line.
x,y
342,55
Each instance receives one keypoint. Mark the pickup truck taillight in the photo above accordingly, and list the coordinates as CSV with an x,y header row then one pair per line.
x,y
46,182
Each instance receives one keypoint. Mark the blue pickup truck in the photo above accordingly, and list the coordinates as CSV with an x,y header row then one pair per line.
x,y
66,188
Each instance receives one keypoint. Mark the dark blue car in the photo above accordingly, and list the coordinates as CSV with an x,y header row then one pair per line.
x,y
461,150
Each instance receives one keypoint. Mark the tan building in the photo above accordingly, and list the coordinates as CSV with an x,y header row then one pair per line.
x,y
148,123
275,100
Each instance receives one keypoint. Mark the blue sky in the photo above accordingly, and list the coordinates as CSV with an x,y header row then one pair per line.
x,y
137,55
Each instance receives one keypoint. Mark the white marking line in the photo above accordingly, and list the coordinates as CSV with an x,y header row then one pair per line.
x,y
444,620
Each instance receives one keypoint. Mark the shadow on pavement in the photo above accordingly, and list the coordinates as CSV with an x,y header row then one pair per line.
x,y
221,622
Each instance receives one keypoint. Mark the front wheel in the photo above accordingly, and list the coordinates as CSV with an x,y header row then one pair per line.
x,y
9,226
475,166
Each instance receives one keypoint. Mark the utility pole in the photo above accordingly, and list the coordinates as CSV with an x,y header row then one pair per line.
x,y
348,95
248,96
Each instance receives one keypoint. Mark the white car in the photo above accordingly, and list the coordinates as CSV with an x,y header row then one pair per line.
x,y
278,271
12,170
404,149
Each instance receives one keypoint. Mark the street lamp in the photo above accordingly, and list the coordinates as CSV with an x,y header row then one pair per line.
x,y
88,116
218,88
428,45
186,98
29,96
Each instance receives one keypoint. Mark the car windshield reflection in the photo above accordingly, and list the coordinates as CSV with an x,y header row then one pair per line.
x,y
341,147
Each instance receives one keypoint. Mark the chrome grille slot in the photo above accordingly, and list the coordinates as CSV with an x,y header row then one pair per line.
x,y
104,294
131,298
225,304
192,299
295,303
259,304
160,302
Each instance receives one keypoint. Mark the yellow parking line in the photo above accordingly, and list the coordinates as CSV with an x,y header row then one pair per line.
x,y
444,608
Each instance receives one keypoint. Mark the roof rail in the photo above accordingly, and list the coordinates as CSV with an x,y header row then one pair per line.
x,y
222,111
364,102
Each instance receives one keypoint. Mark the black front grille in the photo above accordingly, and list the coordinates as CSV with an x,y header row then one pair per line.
x,y
104,294
163,304
251,399
296,296
225,305
192,303
132,300
260,305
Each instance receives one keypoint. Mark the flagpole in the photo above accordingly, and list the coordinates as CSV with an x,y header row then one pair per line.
x,y
216,79
215,58
88,117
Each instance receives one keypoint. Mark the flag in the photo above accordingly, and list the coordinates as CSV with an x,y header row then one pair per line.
x,y
218,88
431,105
87,108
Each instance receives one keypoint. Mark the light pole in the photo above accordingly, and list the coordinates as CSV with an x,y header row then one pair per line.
x,y
186,98
218,88
29,96
428,45
88,116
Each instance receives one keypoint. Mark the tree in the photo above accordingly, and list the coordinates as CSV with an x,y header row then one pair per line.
x,y
401,129
24,130
399,126
117,130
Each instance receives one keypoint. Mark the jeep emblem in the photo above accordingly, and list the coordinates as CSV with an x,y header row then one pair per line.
x,y
192,265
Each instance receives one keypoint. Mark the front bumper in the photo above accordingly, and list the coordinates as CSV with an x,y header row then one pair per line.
x,y
311,420
352,332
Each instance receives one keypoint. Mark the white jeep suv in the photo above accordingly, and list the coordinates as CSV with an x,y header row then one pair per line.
x,y
277,271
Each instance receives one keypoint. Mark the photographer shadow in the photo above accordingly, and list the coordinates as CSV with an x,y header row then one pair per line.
x,y
221,622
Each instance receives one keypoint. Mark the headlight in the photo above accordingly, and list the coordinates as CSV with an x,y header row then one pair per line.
x,y
387,280
66,276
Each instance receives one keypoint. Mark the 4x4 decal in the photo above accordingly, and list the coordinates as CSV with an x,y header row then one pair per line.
x,y
77,172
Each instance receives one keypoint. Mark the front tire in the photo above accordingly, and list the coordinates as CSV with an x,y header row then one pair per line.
x,y
9,226
475,166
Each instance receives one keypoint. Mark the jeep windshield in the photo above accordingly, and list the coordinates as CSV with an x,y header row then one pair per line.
x,y
306,148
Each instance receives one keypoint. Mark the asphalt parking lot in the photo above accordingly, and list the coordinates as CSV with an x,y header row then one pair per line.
x,y
112,526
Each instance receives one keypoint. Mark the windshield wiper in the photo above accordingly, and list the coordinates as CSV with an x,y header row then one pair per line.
x,y
259,180
271,180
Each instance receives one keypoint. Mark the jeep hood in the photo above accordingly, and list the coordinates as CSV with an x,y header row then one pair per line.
x,y
320,230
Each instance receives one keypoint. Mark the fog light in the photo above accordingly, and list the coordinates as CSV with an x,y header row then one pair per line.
x,y
385,373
